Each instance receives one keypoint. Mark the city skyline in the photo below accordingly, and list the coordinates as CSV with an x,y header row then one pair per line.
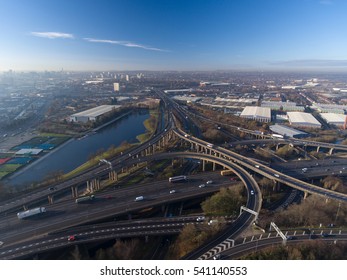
x,y
173,35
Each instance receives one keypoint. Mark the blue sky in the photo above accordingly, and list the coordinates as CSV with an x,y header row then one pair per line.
x,y
173,34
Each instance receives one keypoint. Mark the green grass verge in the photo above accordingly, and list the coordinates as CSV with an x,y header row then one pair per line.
x,y
9,167
3,174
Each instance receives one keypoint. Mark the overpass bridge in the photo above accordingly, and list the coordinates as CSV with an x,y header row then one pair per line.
x,y
201,146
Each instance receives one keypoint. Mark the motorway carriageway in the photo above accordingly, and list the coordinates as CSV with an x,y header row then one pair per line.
x,y
67,213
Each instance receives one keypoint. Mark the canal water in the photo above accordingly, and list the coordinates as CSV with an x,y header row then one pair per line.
x,y
77,151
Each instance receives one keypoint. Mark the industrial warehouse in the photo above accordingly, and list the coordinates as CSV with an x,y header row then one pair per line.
x,y
300,119
92,114
334,119
286,131
260,114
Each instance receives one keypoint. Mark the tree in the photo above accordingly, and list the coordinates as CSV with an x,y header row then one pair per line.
x,y
226,202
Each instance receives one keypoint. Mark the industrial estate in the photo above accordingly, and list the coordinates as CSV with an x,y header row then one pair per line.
x,y
173,165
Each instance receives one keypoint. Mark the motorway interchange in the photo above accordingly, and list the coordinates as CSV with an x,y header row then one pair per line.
x,y
64,214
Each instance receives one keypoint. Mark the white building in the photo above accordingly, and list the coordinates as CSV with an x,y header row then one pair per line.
x,y
92,114
116,86
261,114
31,152
329,108
300,119
334,119
287,131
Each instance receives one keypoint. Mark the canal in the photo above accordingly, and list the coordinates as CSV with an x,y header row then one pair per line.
x,y
77,151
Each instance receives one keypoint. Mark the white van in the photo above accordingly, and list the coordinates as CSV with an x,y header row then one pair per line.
x,y
139,198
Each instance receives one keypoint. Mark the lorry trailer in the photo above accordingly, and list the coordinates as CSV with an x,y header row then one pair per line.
x,y
31,212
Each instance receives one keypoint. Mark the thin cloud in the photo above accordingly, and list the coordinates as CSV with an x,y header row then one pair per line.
x,y
53,35
125,44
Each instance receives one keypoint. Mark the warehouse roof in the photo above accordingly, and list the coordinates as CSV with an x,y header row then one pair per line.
x,y
302,118
29,151
286,131
333,118
97,111
255,111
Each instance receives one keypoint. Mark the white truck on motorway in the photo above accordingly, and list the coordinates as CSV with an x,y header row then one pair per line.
x,y
31,212
85,198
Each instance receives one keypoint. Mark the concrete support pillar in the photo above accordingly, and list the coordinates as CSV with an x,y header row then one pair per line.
x,y
214,166
50,199
74,191
113,176
181,208
203,165
331,151
318,149
94,185
305,195
88,186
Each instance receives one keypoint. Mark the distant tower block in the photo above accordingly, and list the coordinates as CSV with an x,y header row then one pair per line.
x,y
116,87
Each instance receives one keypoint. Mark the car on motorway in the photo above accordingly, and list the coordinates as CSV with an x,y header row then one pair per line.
x,y
71,238
331,225
200,218
139,198
172,191
51,188
276,175
217,257
209,182
202,186
1,243
252,192
291,237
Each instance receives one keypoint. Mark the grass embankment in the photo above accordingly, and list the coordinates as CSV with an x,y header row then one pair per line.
x,y
151,125
96,160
